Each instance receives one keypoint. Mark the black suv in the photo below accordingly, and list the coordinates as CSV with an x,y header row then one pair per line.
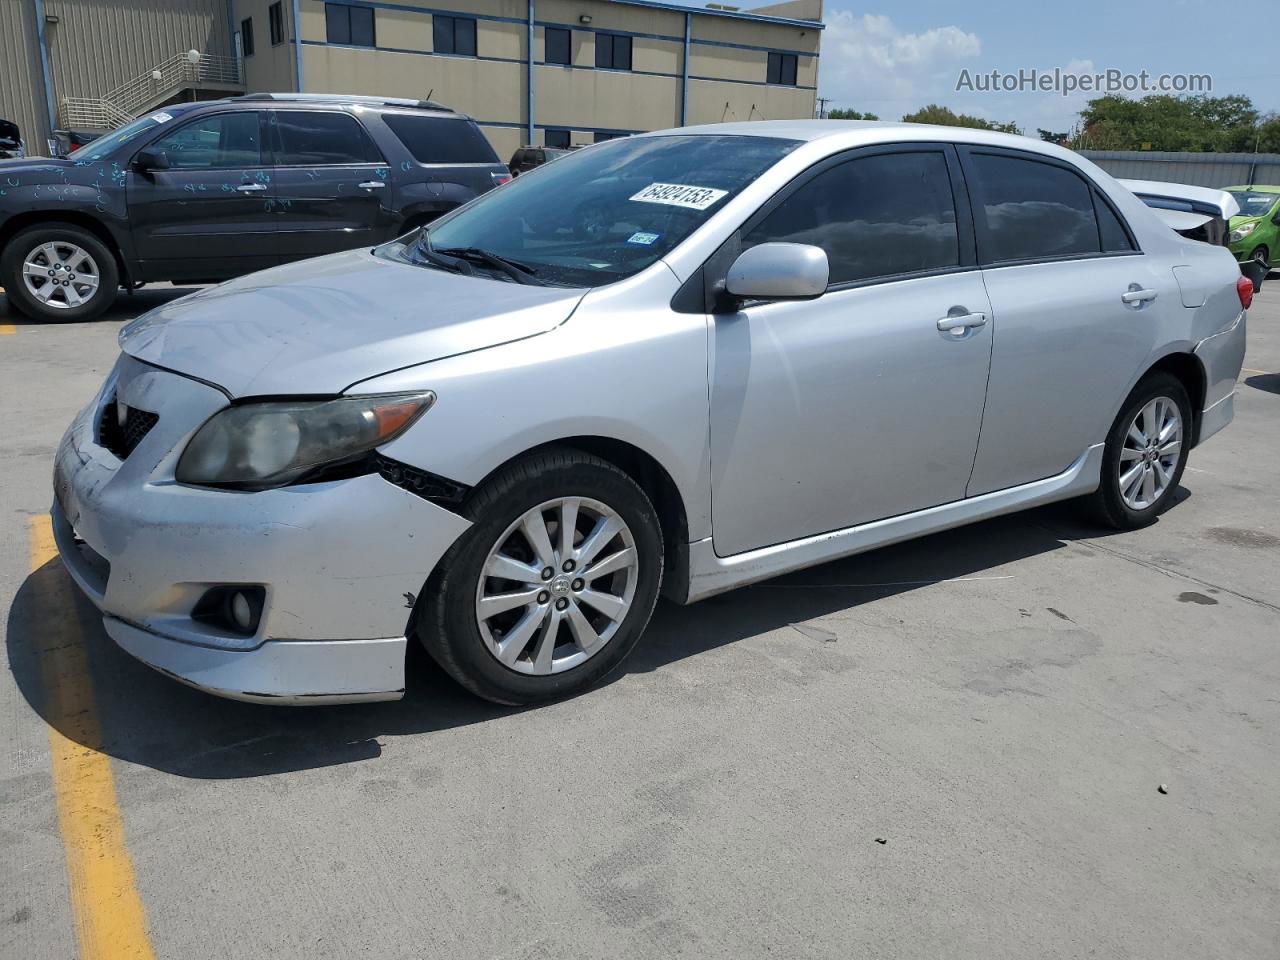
x,y
200,192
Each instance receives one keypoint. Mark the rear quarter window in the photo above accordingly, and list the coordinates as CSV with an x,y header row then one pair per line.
x,y
441,139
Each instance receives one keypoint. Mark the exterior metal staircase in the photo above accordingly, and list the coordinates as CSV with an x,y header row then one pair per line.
x,y
181,72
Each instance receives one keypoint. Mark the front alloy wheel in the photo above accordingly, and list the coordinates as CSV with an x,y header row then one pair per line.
x,y
551,587
60,275
557,585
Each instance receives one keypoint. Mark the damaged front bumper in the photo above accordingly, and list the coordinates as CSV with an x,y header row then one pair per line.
x,y
340,562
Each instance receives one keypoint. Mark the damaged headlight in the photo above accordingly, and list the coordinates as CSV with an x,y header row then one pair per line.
x,y
270,444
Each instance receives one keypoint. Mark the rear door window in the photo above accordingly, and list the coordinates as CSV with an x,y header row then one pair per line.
x,y
315,139
1029,210
441,139
876,216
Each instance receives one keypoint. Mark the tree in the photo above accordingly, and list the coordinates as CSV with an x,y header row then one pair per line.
x,y
948,118
1267,134
840,114
1050,137
1162,122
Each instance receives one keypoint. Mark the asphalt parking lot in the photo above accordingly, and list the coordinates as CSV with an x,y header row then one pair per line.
x,y
950,748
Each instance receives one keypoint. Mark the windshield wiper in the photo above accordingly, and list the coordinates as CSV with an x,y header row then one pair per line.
x,y
427,252
517,271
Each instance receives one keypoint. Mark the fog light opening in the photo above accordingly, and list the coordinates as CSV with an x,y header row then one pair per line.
x,y
233,609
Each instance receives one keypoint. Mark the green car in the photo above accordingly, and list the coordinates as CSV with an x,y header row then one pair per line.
x,y
1255,231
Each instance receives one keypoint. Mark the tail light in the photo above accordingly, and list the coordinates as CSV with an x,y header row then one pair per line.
x,y
1244,289
500,178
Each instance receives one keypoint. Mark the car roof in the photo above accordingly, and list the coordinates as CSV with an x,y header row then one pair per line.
x,y
855,133
330,100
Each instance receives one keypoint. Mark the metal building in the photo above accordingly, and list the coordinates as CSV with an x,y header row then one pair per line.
x,y
557,72
94,64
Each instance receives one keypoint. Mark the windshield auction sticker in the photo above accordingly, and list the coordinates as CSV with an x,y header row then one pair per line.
x,y
680,195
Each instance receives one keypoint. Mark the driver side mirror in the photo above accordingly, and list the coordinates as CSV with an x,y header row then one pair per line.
x,y
151,158
1276,218
779,271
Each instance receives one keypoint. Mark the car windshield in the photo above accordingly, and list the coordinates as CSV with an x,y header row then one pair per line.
x,y
607,211
106,145
1254,204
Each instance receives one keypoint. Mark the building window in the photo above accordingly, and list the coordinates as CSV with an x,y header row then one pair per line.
x,y
349,25
556,46
455,35
782,69
275,17
246,37
601,137
613,52
555,138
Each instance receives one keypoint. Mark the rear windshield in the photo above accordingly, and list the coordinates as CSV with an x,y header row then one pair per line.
x,y
441,139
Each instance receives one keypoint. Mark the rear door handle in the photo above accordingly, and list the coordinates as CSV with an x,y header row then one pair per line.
x,y
251,188
371,185
959,324
1136,294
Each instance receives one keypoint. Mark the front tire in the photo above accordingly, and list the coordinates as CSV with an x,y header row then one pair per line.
x,y
1145,454
551,588
59,272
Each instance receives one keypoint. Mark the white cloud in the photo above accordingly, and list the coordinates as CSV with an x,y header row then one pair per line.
x,y
869,64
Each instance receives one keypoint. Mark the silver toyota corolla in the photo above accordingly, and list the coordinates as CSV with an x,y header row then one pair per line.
x,y
674,363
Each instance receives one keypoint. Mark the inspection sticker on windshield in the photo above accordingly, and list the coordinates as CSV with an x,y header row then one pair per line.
x,y
161,117
680,195
644,239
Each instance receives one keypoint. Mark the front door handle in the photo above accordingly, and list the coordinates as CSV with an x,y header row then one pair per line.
x,y
371,185
1136,294
251,188
962,322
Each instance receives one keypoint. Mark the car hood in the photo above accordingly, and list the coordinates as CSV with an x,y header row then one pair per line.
x,y
319,326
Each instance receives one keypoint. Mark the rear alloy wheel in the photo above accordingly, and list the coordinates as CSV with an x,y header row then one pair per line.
x,y
59,272
1145,454
551,587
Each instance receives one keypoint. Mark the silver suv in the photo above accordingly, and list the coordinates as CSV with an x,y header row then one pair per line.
x,y
678,362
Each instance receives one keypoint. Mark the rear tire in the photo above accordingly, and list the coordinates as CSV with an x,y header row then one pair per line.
x,y
555,630
59,272
1145,454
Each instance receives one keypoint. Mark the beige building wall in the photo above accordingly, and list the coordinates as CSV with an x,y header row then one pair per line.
x,y
271,69
728,63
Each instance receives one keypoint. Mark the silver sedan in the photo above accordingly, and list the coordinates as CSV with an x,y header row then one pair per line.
x,y
675,363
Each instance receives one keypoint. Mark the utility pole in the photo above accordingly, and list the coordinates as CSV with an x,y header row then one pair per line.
x,y
822,107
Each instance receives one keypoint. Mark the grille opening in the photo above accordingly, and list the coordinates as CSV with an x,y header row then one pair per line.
x,y
123,438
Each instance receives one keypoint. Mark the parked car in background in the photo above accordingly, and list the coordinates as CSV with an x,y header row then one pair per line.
x,y
206,191
1200,213
1255,230
10,142
526,158
684,361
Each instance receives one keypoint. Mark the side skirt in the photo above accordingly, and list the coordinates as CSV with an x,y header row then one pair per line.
x,y
710,574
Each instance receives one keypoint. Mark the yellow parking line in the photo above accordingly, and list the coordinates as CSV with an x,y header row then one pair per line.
x,y
1248,370
106,908
7,328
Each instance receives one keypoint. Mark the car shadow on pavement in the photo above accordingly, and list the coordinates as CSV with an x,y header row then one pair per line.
x,y
148,719
1267,382
126,307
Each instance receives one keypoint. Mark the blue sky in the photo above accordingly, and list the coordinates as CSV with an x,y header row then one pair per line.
x,y
893,58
